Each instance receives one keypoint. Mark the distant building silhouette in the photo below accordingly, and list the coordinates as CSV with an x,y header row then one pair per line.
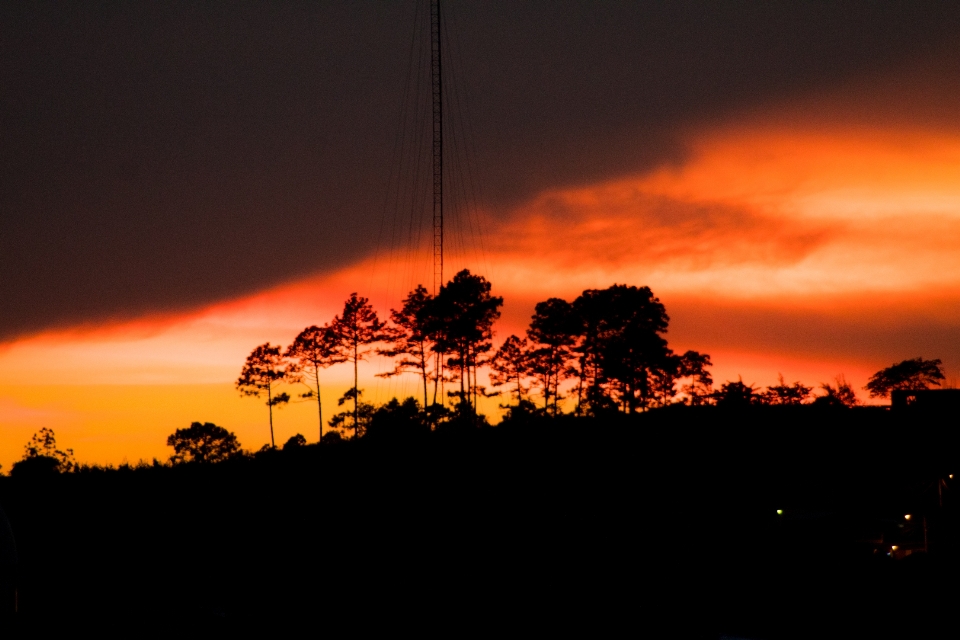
x,y
8,567
925,400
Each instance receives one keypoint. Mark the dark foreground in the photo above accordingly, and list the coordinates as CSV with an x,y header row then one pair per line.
x,y
661,526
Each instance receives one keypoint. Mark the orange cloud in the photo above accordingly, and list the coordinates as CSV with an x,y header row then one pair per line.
x,y
761,213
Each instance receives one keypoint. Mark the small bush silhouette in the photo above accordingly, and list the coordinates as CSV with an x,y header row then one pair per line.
x,y
41,456
295,442
203,443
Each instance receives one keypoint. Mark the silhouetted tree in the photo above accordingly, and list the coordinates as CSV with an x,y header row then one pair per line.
x,y
35,466
398,421
509,366
313,349
621,343
460,320
203,442
264,370
737,395
295,442
410,339
524,412
357,327
693,365
910,375
591,391
41,455
331,437
463,417
358,419
663,379
783,393
841,395
554,329
437,413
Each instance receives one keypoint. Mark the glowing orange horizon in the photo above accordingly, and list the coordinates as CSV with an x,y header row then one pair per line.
x,y
836,223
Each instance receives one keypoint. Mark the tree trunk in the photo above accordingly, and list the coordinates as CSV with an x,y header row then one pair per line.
x,y
356,391
436,379
319,404
423,371
471,382
463,357
580,391
270,407
556,392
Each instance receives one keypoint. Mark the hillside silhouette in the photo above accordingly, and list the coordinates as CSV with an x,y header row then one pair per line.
x,y
671,515
619,485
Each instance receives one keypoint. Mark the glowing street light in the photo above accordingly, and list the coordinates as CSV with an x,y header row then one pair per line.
x,y
907,517
779,512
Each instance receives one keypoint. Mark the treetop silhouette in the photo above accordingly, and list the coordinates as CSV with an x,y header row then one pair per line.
x,y
263,370
460,320
294,442
509,366
554,329
839,395
315,348
784,394
203,443
909,375
357,327
693,365
411,340
609,340
357,419
736,395
42,455
621,345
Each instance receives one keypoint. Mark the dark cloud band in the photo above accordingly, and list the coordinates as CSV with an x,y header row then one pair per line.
x,y
159,157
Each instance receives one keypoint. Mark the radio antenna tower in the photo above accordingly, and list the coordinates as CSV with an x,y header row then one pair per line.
x,y
437,146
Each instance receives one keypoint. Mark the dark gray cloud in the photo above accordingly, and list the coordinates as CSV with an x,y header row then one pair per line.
x,y
158,157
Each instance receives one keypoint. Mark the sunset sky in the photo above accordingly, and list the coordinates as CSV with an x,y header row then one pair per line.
x,y
181,183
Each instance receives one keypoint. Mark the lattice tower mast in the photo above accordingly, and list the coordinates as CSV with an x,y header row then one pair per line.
x,y
437,145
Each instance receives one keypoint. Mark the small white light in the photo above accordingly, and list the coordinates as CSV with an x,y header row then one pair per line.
x,y
779,512
906,517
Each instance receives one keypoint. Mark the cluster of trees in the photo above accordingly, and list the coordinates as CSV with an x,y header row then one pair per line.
x,y
738,394
199,443
42,455
609,343
206,442
908,375
605,352
615,366
442,338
